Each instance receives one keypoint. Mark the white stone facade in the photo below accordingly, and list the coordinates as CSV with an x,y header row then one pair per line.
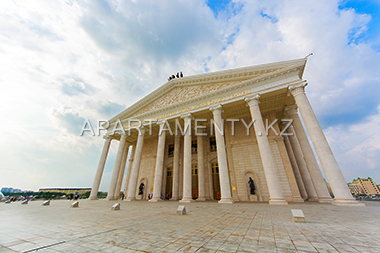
x,y
221,163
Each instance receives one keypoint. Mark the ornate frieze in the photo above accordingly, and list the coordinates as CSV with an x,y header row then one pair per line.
x,y
180,94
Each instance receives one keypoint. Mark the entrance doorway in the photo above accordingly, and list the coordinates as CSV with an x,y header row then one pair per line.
x,y
194,181
169,182
215,180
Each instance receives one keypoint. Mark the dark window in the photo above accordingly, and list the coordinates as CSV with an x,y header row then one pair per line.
x,y
214,168
194,169
169,172
212,144
194,147
171,150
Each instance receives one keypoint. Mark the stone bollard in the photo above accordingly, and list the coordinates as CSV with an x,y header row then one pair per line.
x,y
181,210
46,203
24,202
298,216
75,204
116,207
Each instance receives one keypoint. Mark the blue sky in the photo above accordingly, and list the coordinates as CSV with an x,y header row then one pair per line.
x,y
66,61
372,8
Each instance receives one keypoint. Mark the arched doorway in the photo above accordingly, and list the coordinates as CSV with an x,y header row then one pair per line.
x,y
194,181
215,180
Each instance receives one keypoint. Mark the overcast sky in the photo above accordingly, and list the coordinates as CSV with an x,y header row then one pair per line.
x,y
62,62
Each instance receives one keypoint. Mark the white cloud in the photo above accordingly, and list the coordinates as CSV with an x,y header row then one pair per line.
x,y
357,147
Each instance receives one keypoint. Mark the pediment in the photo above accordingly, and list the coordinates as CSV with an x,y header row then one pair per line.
x,y
191,87
183,93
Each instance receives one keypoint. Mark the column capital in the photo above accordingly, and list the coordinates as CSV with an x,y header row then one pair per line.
x,y
253,99
161,122
107,137
141,130
291,109
298,88
187,116
216,109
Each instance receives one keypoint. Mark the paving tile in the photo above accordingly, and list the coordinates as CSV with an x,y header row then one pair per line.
x,y
366,249
208,227
229,247
5,250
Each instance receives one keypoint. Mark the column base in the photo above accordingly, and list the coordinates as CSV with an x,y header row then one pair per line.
x,y
186,200
278,202
235,198
226,201
111,198
325,200
174,199
314,199
155,199
201,199
130,199
93,198
347,202
298,199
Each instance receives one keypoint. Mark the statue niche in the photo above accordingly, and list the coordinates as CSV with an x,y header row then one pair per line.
x,y
251,186
141,189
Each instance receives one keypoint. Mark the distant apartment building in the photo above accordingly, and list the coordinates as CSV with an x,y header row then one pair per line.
x,y
355,190
364,186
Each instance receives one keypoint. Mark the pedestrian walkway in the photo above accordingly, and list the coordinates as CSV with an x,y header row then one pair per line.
x,y
141,226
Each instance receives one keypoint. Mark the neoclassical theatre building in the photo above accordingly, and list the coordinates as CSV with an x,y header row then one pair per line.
x,y
231,135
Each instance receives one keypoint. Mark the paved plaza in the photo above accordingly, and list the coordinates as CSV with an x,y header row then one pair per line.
x,y
141,226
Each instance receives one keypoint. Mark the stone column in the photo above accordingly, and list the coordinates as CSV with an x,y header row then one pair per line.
x,y
116,168
224,177
99,171
130,162
187,197
122,170
159,165
201,168
315,173
306,178
296,170
175,191
271,116
135,167
275,193
330,166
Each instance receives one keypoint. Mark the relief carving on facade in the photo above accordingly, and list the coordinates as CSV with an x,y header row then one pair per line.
x,y
180,94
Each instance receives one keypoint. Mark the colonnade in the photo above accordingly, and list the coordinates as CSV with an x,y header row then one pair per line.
x,y
308,176
330,166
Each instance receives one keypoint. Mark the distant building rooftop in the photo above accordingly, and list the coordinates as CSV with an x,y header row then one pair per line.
x,y
64,189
